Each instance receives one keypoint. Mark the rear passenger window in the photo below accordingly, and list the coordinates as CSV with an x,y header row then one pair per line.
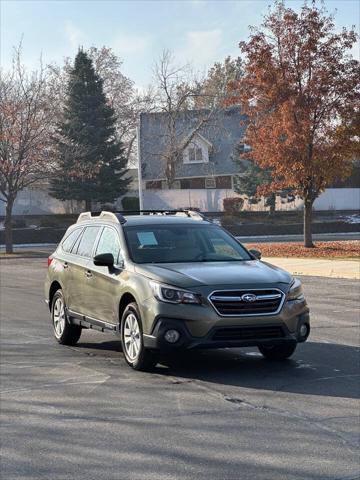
x,y
76,244
70,240
109,243
87,241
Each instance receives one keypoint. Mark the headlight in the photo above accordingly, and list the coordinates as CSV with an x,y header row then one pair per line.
x,y
168,294
296,291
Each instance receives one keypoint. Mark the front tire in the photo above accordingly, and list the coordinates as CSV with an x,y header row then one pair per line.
x,y
277,352
136,355
64,332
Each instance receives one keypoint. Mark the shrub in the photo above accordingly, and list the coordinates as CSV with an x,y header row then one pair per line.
x,y
48,222
18,223
233,204
130,203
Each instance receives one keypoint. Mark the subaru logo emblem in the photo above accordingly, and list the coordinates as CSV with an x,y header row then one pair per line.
x,y
248,297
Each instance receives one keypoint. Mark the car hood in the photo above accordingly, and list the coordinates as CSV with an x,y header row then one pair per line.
x,y
188,275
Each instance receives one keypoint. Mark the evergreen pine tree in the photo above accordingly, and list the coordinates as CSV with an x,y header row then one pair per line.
x,y
248,183
91,161
254,177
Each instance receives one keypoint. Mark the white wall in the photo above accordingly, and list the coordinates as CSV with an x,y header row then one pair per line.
x,y
212,200
31,201
35,201
338,199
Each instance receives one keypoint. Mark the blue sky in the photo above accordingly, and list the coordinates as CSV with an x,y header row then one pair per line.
x,y
197,31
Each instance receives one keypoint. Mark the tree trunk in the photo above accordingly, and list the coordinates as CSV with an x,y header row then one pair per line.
x,y
88,205
308,224
272,204
8,226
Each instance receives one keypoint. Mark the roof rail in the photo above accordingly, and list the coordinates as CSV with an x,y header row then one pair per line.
x,y
196,215
114,217
84,217
119,217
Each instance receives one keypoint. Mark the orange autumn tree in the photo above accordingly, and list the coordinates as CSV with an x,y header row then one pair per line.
x,y
299,90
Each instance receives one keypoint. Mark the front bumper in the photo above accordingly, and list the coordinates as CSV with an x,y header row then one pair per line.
x,y
244,335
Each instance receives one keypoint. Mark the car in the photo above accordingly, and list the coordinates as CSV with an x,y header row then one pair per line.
x,y
170,281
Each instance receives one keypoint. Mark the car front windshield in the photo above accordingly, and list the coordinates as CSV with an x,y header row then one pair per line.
x,y
182,243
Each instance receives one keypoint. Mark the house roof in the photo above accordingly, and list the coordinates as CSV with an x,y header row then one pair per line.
x,y
205,140
223,133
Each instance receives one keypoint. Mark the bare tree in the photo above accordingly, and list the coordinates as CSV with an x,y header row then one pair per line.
x,y
26,124
216,86
178,92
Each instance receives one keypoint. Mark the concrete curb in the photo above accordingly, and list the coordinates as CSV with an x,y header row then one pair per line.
x,y
317,267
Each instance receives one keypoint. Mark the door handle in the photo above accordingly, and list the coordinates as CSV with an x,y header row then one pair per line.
x,y
66,265
88,274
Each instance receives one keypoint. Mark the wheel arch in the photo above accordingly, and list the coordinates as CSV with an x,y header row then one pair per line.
x,y
54,287
125,299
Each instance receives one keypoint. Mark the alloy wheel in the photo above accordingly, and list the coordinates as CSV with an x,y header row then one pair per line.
x,y
59,317
132,339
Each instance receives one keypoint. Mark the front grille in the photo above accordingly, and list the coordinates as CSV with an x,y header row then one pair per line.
x,y
247,333
236,302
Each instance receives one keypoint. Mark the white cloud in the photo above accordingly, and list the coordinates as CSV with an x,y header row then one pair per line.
x,y
125,44
74,35
200,47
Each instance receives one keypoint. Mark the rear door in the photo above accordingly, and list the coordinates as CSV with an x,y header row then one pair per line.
x,y
67,261
82,252
103,284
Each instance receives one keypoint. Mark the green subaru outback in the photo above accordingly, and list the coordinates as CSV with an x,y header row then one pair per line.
x,y
170,281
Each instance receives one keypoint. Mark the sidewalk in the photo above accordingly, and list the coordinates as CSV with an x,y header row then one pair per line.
x,y
317,267
297,266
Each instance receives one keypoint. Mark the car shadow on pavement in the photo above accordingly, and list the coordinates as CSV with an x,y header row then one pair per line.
x,y
325,369
316,368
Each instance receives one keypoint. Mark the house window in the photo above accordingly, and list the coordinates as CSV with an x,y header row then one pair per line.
x,y
195,154
198,182
153,185
185,183
210,182
223,181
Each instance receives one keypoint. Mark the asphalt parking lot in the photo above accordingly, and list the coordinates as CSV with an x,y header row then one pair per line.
x,y
81,413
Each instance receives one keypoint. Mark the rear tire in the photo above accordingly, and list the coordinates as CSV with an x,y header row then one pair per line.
x,y
136,355
277,352
64,332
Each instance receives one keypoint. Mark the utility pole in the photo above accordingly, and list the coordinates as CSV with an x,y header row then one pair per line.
x,y
138,130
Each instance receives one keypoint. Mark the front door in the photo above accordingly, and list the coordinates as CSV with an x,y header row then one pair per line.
x,y
103,282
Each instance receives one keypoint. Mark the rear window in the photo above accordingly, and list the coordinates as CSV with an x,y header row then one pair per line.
x,y
87,241
70,240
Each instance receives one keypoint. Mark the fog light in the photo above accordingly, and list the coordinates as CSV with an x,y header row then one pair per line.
x,y
304,330
172,336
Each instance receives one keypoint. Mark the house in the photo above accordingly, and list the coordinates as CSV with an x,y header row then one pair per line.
x,y
207,161
205,169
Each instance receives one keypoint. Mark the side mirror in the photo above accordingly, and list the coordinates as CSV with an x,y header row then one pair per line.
x,y
104,260
255,253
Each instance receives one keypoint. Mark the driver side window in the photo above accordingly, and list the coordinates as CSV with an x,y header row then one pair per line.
x,y
109,243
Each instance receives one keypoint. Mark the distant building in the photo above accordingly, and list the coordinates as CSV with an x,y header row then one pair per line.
x,y
205,174
207,162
